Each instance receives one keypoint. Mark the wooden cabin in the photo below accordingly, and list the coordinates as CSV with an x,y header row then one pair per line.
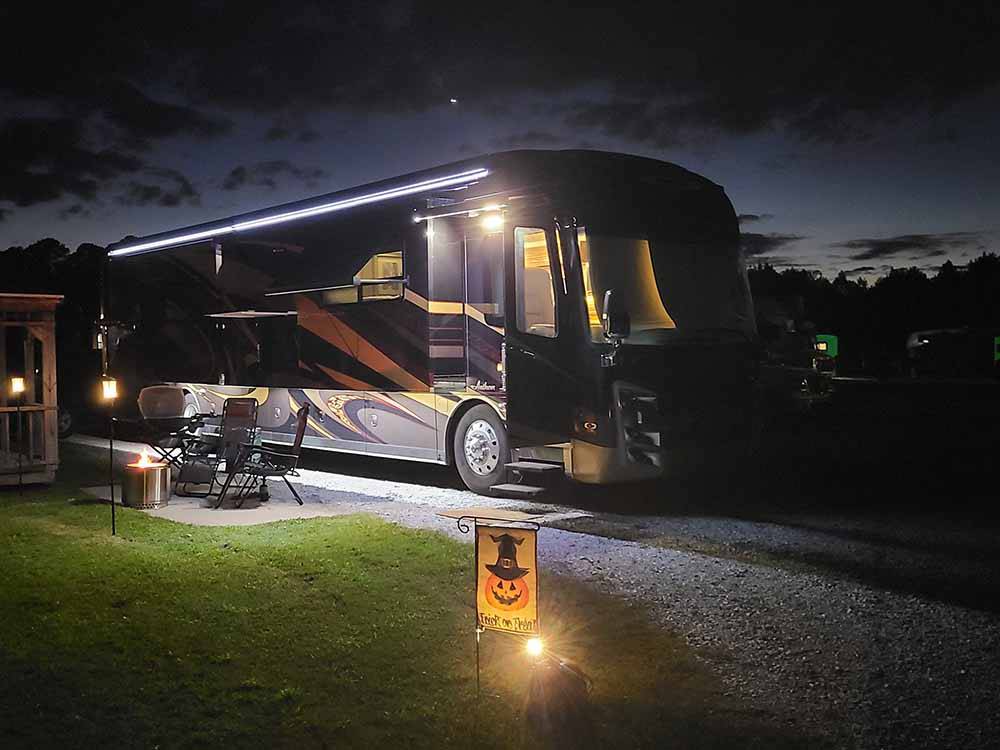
x,y
29,444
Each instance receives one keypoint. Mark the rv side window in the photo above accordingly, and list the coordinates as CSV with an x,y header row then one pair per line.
x,y
386,267
535,289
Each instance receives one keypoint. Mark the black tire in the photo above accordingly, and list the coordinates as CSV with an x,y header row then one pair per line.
x,y
489,446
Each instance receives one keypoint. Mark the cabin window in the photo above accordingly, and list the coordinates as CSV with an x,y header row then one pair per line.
x,y
534,283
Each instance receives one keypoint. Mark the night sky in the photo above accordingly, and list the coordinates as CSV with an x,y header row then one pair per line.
x,y
849,138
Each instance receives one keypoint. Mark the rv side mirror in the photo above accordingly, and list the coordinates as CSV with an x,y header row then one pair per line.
x,y
615,319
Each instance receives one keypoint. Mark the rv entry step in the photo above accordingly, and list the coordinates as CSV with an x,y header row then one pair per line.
x,y
516,490
533,466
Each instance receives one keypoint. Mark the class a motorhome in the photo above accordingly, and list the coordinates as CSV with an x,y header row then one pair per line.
x,y
515,312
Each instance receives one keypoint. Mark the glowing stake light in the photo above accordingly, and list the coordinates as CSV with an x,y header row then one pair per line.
x,y
534,647
17,386
492,222
109,389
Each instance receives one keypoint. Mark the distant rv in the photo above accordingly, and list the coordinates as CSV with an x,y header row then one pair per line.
x,y
521,311
954,352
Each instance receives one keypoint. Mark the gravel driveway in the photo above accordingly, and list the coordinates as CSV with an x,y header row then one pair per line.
x,y
865,666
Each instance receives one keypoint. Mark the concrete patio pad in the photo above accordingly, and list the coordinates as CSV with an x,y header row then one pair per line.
x,y
199,512
325,494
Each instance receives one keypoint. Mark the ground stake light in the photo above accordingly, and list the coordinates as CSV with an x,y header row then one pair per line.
x,y
17,389
109,392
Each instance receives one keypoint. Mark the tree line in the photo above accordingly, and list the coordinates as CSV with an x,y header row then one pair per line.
x,y
874,320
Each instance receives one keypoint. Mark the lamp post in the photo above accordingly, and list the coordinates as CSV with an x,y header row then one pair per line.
x,y
17,391
109,392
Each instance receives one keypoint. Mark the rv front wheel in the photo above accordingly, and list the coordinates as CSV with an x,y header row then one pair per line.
x,y
480,449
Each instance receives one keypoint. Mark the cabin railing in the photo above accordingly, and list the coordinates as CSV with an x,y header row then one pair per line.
x,y
26,440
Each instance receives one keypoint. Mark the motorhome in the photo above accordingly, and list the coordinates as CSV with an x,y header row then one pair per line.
x,y
513,313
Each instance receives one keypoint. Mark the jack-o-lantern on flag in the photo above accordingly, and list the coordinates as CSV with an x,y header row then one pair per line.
x,y
507,579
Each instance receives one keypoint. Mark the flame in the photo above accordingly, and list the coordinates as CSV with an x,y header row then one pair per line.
x,y
144,459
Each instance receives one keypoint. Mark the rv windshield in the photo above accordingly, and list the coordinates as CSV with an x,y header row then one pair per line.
x,y
673,290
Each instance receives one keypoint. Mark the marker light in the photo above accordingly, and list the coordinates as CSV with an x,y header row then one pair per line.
x,y
304,213
492,222
109,389
534,647
17,386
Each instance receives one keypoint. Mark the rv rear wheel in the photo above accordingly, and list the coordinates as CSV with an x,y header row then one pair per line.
x,y
480,449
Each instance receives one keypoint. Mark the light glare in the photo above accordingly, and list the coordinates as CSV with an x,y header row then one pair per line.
x,y
492,222
17,386
534,647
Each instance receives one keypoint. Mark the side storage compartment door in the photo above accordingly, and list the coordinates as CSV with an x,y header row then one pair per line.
x,y
401,425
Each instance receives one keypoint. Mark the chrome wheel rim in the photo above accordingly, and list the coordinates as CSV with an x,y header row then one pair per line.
x,y
482,447
65,421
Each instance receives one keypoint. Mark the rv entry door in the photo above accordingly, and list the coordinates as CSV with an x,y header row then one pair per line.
x,y
538,412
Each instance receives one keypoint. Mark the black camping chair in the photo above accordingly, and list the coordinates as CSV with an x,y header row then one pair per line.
x,y
163,426
258,464
201,466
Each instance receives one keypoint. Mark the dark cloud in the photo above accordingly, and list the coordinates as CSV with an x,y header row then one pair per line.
x,y
866,271
822,71
4,213
143,118
918,246
750,218
48,158
77,210
755,244
170,188
268,173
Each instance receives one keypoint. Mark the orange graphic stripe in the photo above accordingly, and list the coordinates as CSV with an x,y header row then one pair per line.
x,y
335,331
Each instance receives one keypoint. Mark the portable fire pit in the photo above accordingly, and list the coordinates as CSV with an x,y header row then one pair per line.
x,y
146,483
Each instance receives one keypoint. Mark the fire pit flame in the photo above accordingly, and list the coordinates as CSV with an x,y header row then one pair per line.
x,y
144,461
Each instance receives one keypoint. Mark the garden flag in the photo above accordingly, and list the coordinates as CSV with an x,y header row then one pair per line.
x,y
507,579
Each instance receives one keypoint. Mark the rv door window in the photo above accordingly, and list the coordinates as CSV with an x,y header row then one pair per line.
x,y
534,284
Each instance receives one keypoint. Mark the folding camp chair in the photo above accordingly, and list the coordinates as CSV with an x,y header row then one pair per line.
x,y
164,427
238,427
258,464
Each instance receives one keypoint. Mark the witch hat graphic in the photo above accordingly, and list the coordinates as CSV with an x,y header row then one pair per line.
x,y
506,565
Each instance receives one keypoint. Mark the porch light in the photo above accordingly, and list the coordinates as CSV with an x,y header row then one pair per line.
x,y
17,386
534,647
493,222
109,389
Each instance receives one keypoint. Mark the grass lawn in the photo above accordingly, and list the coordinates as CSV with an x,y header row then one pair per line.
x,y
333,632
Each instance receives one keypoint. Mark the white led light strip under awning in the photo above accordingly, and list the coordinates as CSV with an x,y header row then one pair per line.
x,y
302,213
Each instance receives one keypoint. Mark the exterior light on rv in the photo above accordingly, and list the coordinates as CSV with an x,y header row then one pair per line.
x,y
534,647
493,222
303,213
